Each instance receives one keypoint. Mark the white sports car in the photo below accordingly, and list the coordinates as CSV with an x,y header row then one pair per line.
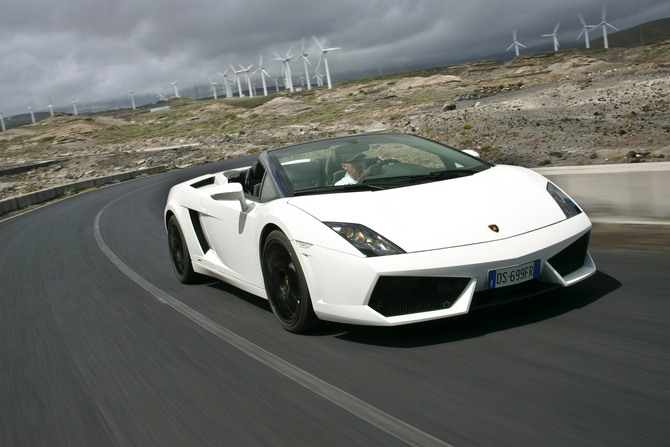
x,y
377,229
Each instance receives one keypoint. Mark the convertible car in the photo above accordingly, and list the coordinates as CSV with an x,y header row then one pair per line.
x,y
428,232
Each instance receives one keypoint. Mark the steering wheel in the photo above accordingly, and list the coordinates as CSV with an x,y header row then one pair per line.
x,y
387,161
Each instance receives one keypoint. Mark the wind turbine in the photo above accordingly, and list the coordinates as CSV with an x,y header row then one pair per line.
x,y
32,114
226,83
248,78
276,84
213,84
132,99
303,56
318,75
237,79
515,44
554,35
604,24
263,74
286,68
176,90
51,107
74,106
585,30
2,122
324,56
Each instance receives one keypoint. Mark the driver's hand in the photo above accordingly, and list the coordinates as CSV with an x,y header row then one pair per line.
x,y
374,169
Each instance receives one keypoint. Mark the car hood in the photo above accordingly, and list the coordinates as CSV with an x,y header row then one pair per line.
x,y
445,213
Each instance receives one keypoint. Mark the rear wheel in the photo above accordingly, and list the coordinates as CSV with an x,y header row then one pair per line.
x,y
181,259
285,285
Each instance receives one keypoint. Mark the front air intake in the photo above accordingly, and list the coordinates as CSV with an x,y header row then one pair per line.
x,y
402,295
572,257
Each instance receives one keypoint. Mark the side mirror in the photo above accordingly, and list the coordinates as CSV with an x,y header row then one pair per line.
x,y
471,152
230,191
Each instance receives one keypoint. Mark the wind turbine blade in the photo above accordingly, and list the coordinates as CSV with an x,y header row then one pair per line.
x,y
581,19
302,47
509,47
514,35
604,10
611,26
288,53
318,44
557,25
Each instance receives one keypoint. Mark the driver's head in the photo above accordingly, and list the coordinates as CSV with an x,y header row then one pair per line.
x,y
354,165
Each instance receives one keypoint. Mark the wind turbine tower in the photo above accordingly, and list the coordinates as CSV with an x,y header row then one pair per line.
x,y
248,78
604,24
51,107
2,122
585,30
226,83
324,56
32,114
516,44
74,106
286,68
237,79
303,56
213,84
554,35
132,99
263,74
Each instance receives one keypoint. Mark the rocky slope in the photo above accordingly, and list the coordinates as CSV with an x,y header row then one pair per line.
x,y
568,108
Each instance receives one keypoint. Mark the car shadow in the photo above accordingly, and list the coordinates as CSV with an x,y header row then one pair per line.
x,y
479,322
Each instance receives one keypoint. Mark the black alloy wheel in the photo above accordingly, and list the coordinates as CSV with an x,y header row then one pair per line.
x,y
181,260
285,285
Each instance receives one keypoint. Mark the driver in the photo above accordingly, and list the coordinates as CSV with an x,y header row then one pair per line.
x,y
356,172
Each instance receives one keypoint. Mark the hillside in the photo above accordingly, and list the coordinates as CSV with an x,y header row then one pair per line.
x,y
644,34
567,108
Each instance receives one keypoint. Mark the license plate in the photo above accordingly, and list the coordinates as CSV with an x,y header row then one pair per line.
x,y
514,275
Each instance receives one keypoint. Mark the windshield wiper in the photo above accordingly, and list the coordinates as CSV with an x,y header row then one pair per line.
x,y
451,173
338,188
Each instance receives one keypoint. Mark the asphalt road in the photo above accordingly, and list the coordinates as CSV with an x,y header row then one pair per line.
x,y
101,345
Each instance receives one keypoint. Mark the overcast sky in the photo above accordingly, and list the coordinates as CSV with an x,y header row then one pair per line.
x,y
95,50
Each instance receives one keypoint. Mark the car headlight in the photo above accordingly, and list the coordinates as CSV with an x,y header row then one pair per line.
x,y
365,240
568,206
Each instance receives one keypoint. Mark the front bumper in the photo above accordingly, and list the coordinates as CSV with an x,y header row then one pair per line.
x,y
414,287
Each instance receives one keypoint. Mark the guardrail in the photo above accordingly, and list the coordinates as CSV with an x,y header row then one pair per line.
x,y
44,195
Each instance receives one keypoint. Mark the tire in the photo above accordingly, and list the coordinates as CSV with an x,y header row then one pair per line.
x,y
179,255
286,286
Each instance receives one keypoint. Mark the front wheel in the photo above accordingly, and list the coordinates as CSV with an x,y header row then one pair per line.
x,y
285,285
181,259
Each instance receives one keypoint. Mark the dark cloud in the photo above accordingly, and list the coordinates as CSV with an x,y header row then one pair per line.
x,y
100,49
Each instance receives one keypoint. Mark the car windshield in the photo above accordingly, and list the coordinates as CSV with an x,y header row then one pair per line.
x,y
317,167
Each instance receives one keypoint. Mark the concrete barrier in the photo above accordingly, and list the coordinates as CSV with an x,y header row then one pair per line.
x,y
44,195
636,192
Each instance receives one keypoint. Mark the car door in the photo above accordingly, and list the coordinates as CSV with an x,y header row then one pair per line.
x,y
233,234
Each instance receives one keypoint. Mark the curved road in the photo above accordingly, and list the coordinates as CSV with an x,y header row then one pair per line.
x,y
101,345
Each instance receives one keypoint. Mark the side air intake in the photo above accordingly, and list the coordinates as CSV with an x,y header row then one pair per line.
x,y
197,227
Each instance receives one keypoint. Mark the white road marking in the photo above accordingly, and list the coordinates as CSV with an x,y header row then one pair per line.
x,y
357,407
